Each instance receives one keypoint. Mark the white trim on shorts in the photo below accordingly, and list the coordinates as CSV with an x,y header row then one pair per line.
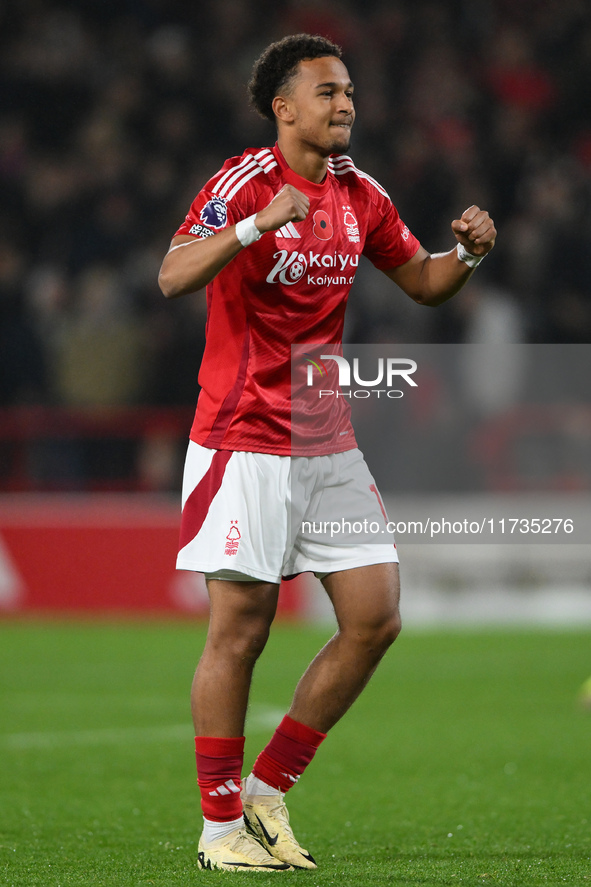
x,y
260,515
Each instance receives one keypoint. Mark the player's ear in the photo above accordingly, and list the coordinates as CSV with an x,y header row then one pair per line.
x,y
282,109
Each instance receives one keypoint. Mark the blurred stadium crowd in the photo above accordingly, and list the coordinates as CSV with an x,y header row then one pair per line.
x,y
113,113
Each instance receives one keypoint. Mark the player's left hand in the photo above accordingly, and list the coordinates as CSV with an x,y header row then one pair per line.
x,y
475,230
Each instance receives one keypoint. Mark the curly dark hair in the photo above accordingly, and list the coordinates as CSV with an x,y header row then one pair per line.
x,y
277,65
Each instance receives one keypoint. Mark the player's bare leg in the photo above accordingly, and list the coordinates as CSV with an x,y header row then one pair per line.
x,y
241,614
366,606
240,617
366,601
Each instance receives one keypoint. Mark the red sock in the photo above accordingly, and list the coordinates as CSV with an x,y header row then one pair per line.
x,y
219,768
287,755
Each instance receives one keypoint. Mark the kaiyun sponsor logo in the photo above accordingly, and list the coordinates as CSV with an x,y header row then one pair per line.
x,y
290,267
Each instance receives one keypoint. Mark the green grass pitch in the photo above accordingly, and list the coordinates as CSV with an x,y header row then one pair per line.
x,y
466,761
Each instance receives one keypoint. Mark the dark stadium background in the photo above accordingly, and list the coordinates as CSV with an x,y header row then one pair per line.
x,y
114,114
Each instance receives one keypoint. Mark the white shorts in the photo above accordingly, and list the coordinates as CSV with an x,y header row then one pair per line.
x,y
261,516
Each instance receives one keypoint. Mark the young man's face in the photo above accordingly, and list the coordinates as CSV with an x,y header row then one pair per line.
x,y
321,104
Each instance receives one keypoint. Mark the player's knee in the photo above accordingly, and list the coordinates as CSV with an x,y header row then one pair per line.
x,y
384,632
254,642
390,629
377,635
248,645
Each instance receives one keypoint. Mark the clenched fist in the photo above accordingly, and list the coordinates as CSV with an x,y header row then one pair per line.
x,y
288,205
475,230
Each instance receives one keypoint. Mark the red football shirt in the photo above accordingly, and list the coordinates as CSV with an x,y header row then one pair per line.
x,y
289,287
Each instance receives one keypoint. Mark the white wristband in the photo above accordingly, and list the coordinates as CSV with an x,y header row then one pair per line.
x,y
464,256
247,232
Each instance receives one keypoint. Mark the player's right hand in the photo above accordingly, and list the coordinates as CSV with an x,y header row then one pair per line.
x,y
288,205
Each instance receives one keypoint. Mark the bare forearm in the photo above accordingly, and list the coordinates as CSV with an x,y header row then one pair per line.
x,y
433,279
442,275
189,266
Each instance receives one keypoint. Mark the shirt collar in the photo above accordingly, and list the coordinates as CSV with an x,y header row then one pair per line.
x,y
312,189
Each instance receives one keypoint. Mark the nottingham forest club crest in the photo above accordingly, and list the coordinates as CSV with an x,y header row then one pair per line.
x,y
232,539
351,224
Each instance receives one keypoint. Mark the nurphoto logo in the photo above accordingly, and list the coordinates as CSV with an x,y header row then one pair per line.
x,y
389,371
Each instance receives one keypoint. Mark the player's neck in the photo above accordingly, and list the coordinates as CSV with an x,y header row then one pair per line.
x,y
305,162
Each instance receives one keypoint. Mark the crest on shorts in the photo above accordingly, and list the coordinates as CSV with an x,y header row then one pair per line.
x,y
232,539
215,213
